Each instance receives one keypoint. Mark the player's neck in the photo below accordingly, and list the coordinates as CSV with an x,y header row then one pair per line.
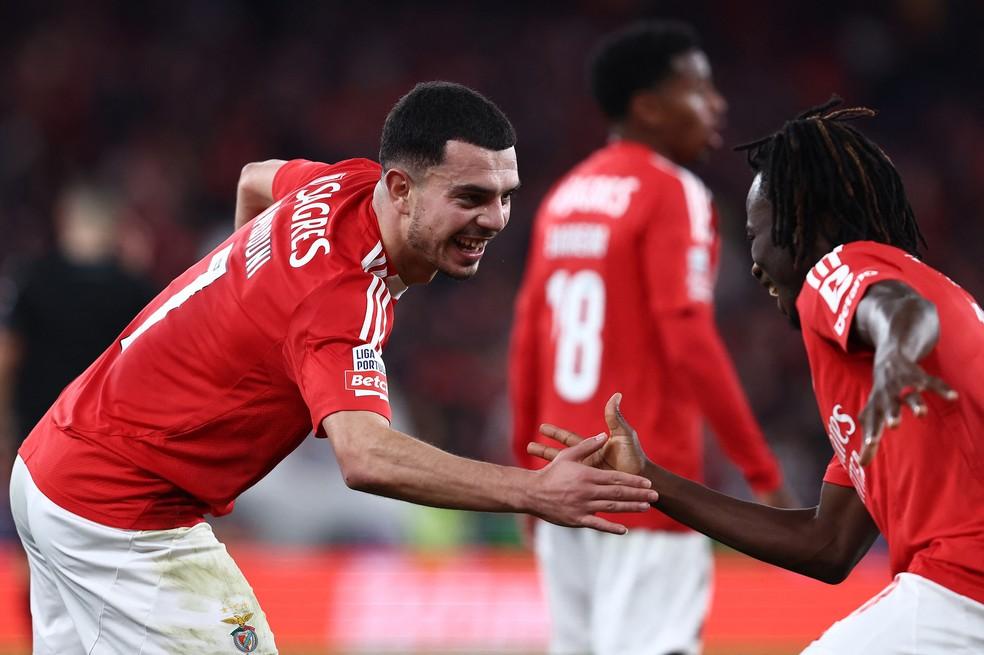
x,y
642,136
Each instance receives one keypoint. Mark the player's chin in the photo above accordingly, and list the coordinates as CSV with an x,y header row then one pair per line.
x,y
458,272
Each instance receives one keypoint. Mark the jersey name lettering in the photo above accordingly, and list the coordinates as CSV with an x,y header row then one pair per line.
x,y
588,240
594,194
310,219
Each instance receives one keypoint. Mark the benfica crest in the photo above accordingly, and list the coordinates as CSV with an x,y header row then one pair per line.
x,y
244,636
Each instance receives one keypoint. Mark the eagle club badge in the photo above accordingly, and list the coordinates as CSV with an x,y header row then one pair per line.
x,y
244,636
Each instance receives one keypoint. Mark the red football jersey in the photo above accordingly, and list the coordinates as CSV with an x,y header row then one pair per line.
x,y
624,240
925,487
233,364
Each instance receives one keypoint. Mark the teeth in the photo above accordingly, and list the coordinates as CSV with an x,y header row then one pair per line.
x,y
468,244
774,292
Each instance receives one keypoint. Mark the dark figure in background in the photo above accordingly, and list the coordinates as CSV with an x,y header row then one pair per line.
x,y
67,307
61,312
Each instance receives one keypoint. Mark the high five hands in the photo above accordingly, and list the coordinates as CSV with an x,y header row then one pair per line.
x,y
621,452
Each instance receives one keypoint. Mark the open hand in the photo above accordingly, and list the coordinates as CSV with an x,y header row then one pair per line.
x,y
897,379
622,451
570,492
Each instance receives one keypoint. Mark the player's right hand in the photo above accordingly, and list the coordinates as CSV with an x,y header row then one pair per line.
x,y
570,492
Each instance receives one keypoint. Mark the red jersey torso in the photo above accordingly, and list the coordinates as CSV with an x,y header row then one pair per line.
x,y
625,236
233,364
925,488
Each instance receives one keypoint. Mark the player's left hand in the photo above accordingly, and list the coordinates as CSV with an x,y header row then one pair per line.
x,y
897,380
622,452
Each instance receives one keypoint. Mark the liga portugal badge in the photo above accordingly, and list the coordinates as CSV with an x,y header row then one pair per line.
x,y
244,636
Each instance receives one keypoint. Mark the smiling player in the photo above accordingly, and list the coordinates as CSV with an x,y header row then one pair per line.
x,y
834,239
280,330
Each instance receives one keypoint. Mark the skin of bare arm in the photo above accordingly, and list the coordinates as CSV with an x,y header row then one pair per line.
x,y
254,191
377,459
823,542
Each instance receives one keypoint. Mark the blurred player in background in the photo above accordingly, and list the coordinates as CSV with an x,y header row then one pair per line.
x,y
67,307
618,294
834,239
278,331
64,309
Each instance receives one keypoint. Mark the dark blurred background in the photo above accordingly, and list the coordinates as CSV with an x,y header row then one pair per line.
x,y
159,104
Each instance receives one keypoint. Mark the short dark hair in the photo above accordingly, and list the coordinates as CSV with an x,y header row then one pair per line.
x,y
821,174
633,59
431,114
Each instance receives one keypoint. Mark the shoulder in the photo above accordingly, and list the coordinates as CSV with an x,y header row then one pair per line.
x,y
298,173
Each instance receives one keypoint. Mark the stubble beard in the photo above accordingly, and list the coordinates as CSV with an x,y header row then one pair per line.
x,y
417,238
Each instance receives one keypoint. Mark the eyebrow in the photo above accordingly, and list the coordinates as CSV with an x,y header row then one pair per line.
x,y
479,189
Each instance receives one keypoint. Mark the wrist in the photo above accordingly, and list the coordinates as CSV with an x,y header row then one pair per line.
x,y
521,491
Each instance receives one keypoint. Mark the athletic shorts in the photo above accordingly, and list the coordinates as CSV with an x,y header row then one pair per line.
x,y
643,593
104,591
912,615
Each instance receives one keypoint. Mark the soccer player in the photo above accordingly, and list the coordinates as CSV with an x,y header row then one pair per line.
x,y
618,294
834,239
277,332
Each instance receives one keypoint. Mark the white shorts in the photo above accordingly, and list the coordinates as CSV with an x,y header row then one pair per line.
x,y
100,590
643,593
911,616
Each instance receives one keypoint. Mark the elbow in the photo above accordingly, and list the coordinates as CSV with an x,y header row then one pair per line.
x,y
832,567
249,174
832,573
354,465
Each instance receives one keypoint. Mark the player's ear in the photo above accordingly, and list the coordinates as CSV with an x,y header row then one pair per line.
x,y
398,185
646,107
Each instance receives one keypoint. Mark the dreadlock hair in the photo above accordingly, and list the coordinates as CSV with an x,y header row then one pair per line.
x,y
823,175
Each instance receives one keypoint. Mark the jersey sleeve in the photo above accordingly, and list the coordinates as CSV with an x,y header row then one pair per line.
x,y
678,242
334,368
295,174
836,474
836,284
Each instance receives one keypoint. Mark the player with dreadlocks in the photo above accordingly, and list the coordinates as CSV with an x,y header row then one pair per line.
x,y
834,239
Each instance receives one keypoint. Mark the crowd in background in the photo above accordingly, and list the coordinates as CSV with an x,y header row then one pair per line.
x,y
160,104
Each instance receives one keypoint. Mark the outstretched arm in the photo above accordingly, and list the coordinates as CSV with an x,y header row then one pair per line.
x,y
902,328
377,459
822,542
254,192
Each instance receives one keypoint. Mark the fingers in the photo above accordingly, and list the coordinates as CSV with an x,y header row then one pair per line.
x,y
872,424
869,448
617,507
583,449
617,478
942,388
619,493
600,524
916,403
565,437
542,451
612,414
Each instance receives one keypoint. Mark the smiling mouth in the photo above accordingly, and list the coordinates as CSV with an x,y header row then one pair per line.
x,y
470,245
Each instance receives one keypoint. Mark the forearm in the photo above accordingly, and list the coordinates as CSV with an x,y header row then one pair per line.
x,y
249,204
892,318
783,537
389,463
